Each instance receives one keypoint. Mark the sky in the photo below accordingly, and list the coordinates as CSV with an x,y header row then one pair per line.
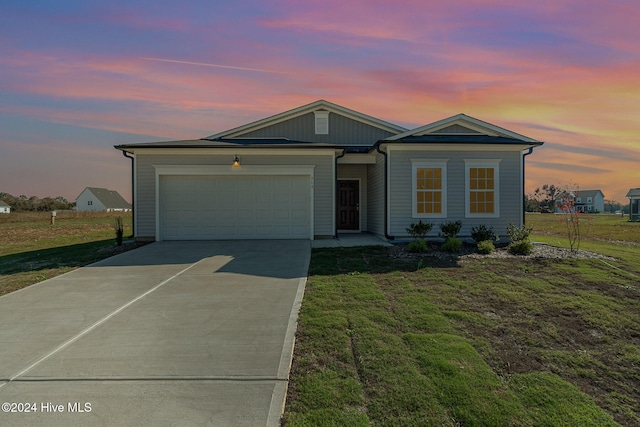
x,y
80,76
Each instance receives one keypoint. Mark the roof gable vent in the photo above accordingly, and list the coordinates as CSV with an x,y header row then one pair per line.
x,y
322,122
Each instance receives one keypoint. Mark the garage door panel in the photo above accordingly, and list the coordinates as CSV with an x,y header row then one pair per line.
x,y
234,207
245,214
262,214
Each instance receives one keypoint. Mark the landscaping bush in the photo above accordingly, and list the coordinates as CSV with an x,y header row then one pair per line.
x,y
517,234
485,247
450,229
419,230
521,247
452,244
417,246
481,233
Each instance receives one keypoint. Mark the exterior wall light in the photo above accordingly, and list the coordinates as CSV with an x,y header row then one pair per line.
x,y
236,162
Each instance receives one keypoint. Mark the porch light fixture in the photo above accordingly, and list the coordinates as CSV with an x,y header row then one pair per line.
x,y
236,162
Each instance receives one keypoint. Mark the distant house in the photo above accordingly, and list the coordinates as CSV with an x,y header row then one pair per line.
x,y
587,201
100,199
634,204
4,208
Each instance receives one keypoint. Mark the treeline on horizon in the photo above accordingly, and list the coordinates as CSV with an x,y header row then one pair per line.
x,y
23,203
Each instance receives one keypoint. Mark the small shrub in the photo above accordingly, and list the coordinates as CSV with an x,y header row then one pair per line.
x,y
119,228
450,229
485,247
481,233
521,247
452,244
417,246
419,230
518,234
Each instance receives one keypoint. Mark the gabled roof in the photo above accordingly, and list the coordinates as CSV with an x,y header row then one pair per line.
x,y
577,193
3,204
588,193
458,129
227,143
111,199
305,109
462,129
633,192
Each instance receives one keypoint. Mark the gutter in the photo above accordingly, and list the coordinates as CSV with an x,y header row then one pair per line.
x,y
386,192
335,197
133,192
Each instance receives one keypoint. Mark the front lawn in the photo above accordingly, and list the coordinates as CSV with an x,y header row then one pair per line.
x,y
477,342
32,249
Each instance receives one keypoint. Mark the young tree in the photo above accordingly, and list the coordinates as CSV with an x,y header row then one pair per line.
x,y
546,197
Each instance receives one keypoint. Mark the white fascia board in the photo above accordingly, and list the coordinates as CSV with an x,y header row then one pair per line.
x,y
230,170
330,151
454,147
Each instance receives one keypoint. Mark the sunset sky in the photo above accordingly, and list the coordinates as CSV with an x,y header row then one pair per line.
x,y
80,76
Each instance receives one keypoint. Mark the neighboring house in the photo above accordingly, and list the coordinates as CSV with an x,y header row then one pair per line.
x,y
4,208
586,201
634,204
322,169
100,199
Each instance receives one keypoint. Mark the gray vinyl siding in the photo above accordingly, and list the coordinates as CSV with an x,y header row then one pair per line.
x,y
455,129
346,171
510,190
375,197
342,130
323,184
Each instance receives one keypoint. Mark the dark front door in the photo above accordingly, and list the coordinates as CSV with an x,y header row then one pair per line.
x,y
348,205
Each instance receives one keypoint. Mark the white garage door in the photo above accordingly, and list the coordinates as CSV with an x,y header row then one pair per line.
x,y
234,207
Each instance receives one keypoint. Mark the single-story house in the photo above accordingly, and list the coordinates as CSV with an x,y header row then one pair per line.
x,y
4,208
634,204
585,201
93,199
322,169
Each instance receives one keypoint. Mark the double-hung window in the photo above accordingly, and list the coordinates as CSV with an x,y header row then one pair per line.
x,y
482,194
429,188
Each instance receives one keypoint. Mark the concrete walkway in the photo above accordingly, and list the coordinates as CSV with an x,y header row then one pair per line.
x,y
350,240
173,333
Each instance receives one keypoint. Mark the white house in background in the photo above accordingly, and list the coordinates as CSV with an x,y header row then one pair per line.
x,y
590,201
586,201
4,208
100,199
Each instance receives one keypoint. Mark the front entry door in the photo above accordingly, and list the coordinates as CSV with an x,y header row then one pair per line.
x,y
348,205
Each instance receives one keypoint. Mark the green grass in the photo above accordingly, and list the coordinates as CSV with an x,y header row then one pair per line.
x,y
482,342
33,250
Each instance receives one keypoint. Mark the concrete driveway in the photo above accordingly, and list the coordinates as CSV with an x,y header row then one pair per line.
x,y
173,333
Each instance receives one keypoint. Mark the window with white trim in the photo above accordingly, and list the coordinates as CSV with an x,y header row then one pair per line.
x,y
482,188
429,188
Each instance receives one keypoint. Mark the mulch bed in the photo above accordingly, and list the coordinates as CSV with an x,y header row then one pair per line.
x,y
540,251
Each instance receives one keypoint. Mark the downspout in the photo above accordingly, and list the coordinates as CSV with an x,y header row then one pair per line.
x,y
524,207
335,180
386,195
133,191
